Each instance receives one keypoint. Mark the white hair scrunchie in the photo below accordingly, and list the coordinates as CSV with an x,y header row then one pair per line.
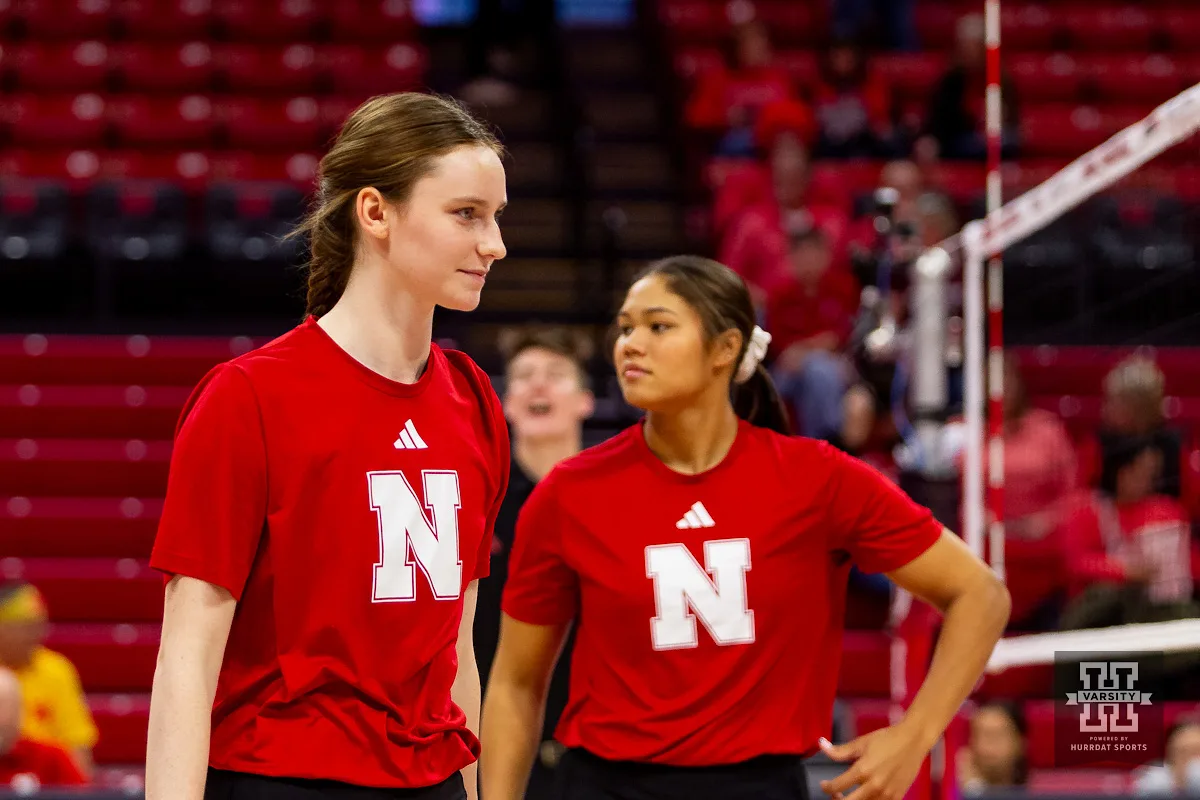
x,y
756,351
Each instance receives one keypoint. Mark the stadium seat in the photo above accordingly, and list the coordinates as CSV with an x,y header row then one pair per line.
x,y
1029,27
94,589
55,120
130,412
1063,130
78,67
109,658
260,124
372,21
72,360
800,65
70,20
79,527
1127,28
252,69
269,21
34,220
1179,26
359,72
123,721
167,122
180,68
137,220
693,61
84,468
911,75
165,20
694,20
1069,370
1143,79
791,23
247,221
1040,77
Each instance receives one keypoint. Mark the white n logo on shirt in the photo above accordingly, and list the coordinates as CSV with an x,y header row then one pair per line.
x,y
404,530
682,586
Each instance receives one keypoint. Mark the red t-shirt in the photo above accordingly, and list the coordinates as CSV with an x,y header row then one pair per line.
x,y
794,313
347,513
31,763
709,607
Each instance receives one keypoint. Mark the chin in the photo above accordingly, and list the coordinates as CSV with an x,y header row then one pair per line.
x,y
461,302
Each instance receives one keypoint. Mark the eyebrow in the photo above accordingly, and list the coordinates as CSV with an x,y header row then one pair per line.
x,y
478,201
650,310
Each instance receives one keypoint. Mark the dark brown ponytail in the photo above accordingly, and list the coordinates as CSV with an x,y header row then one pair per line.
x,y
720,297
389,142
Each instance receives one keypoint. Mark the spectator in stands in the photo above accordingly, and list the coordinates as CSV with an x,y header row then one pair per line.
x,y
757,236
1129,548
501,36
726,101
1040,471
27,765
809,314
995,755
56,710
955,124
1180,772
852,106
1133,407
897,18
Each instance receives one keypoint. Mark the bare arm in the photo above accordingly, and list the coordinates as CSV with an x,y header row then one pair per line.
x,y
516,705
196,621
975,605
465,691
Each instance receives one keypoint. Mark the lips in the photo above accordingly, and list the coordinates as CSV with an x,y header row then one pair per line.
x,y
632,371
481,274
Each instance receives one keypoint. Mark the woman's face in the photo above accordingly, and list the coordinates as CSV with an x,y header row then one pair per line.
x,y
996,744
660,353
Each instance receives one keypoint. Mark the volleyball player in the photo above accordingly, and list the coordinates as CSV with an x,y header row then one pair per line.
x,y
546,400
332,495
703,557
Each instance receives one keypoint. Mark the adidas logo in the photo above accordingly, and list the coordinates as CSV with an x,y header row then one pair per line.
x,y
410,439
696,517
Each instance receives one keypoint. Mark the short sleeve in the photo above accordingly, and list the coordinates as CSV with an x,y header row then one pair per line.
x,y
216,504
880,526
77,728
503,465
542,588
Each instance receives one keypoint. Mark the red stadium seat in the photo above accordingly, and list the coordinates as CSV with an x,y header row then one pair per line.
x,y
257,124
372,21
691,62
936,23
694,20
65,19
84,468
165,20
132,412
1127,28
109,658
800,65
72,360
55,121
94,589
1179,26
1040,77
181,68
912,76
359,72
962,181
1082,782
176,122
123,721
52,527
267,21
1062,130
334,110
1143,79
1029,27
252,69
791,23
1071,370
78,67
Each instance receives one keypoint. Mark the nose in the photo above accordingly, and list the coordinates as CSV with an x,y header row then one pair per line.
x,y
492,244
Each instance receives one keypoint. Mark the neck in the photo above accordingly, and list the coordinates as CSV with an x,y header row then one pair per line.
x,y
537,457
381,325
692,440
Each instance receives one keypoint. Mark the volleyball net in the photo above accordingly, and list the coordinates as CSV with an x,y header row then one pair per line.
x,y
1096,307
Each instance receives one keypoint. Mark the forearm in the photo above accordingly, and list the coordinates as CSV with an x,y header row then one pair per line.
x,y
177,745
465,694
512,726
972,625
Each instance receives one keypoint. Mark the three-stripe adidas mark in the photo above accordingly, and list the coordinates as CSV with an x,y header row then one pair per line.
x,y
696,517
410,439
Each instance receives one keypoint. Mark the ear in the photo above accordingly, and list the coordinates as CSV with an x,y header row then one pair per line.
x,y
371,210
725,348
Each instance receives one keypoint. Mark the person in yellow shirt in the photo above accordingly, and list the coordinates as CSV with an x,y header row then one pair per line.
x,y
55,709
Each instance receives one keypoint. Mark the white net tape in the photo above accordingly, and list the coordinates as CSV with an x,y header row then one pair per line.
x,y
1039,648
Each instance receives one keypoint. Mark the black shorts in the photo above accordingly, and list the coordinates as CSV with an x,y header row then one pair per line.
x,y
225,785
583,776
